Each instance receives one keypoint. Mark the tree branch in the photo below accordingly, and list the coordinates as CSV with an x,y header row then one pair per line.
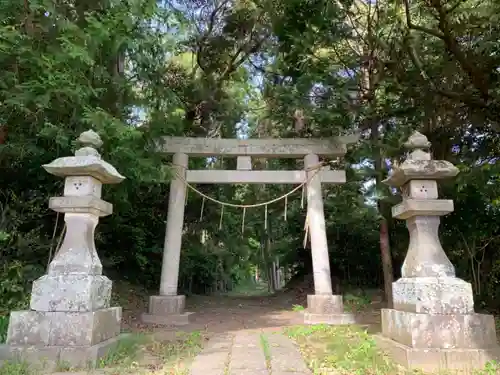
x,y
412,26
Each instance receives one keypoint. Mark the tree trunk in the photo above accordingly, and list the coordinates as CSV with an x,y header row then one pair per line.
x,y
387,269
385,250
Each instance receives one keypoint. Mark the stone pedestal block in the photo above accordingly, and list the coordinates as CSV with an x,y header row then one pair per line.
x,y
77,339
49,358
71,292
433,295
167,310
326,309
465,361
437,331
60,328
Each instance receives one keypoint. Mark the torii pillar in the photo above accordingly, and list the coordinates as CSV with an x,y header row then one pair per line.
x,y
168,307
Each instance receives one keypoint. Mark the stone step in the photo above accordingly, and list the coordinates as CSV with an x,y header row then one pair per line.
x,y
250,353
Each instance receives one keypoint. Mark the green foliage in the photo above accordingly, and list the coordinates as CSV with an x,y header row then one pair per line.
x,y
355,302
14,293
15,368
346,350
351,350
4,326
125,353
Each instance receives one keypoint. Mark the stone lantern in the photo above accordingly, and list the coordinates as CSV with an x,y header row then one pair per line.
x,y
70,319
433,325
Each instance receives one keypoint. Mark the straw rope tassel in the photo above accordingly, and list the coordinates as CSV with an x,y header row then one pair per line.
x,y
221,214
265,217
202,208
286,207
306,228
243,220
302,197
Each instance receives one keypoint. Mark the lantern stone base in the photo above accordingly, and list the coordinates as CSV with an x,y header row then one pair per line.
x,y
167,310
70,339
435,342
71,292
433,295
326,309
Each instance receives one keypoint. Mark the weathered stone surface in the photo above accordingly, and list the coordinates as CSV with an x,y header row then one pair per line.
x,y
71,292
244,163
256,147
423,207
167,310
247,353
214,176
469,331
165,305
418,164
85,166
86,162
90,138
324,304
433,295
84,204
317,228
85,356
78,186
425,256
28,328
36,328
331,319
77,253
285,355
49,358
421,189
244,353
169,278
421,169
85,329
168,320
468,361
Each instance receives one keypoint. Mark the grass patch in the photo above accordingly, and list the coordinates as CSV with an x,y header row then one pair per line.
x,y
15,368
176,354
135,354
351,350
343,350
265,348
125,353
297,308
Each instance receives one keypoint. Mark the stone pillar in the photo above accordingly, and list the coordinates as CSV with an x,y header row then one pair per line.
x,y
168,307
322,307
433,325
173,234
317,228
70,319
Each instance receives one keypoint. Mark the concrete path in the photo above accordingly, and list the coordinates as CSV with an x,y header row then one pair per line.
x,y
252,352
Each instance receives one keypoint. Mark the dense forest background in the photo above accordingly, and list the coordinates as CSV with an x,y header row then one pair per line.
x,y
134,70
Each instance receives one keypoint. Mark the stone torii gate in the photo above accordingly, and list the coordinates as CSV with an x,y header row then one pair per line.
x,y
323,306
